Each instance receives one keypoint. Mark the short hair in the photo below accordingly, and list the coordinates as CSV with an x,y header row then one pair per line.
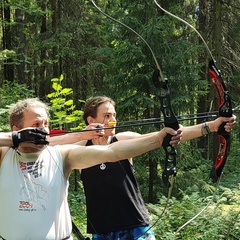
x,y
91,106
16,113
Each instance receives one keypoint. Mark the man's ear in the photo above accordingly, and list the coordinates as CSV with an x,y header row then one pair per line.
x,y
15,128
90,120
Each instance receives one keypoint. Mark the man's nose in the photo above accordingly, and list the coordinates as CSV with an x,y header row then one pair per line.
x,y
113,119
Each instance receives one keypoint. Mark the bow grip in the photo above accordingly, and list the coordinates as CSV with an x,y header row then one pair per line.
x,y
221,130
174,125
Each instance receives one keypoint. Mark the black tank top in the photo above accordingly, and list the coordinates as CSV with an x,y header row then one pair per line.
x,y
113,198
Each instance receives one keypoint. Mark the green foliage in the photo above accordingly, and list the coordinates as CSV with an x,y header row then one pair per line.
x,y
99,56
7,54
30,6
10,93
208,219
77,202
63,110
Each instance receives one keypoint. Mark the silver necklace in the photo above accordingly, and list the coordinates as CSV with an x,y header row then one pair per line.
x,y
103,166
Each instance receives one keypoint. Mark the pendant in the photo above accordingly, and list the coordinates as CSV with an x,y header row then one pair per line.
x,y
103,166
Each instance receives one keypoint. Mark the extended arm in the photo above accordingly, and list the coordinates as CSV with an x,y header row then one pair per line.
x,y
83,157
199,130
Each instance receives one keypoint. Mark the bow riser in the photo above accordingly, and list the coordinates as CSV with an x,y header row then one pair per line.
x,y
171,121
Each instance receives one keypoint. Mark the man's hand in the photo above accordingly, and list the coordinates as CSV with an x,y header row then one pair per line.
x,y
94,131
176,139
176,135
34,135
230,122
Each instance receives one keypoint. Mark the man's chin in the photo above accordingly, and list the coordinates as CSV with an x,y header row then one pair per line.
x,y
34,148
109,132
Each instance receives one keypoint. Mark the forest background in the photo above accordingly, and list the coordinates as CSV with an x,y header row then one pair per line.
x,y
65,52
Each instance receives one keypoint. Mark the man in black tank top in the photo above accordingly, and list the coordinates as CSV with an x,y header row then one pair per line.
x,y
120,211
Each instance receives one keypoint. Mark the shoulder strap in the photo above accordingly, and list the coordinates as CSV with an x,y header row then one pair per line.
x,y
113,139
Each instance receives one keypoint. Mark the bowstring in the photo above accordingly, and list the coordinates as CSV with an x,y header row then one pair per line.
x,y
211,55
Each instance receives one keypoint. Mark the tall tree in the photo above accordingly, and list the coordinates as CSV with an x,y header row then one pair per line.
x,y
7,39
202,11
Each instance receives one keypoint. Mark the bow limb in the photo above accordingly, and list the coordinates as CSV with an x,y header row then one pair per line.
x,y
225,110
225,105
188,24
126,26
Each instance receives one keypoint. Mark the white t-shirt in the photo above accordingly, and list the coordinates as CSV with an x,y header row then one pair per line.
x,y
33,196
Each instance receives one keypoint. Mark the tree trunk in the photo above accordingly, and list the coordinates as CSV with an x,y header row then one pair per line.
x,y
43,54
7,41
201,15
55,21
21,45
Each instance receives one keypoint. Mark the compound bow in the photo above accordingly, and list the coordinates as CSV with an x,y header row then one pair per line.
x,y
225,106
